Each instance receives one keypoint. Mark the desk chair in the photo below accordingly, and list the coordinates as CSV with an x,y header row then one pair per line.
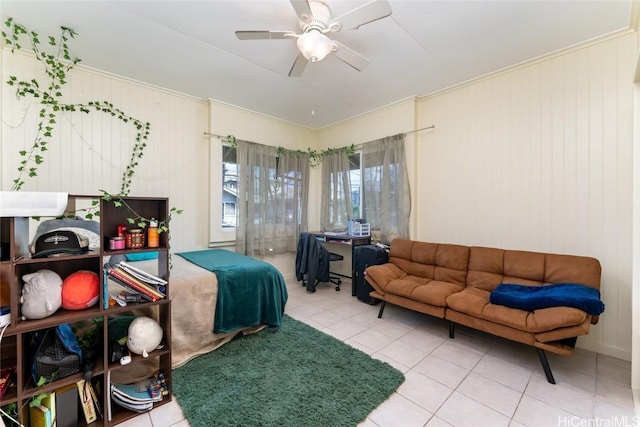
x,y
312,263
335,279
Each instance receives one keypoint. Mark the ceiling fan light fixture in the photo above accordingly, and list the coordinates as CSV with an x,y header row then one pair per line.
x,y
314,45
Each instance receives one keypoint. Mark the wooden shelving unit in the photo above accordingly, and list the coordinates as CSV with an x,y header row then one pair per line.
x,y
14,348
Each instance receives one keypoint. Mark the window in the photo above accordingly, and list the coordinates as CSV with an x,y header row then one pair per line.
x,y
223,195
259,197
229,214
229,186
355,175
336,201
272,198
386,197
378,187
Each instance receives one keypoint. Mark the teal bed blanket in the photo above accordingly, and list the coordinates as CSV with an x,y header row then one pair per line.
x,y
250,292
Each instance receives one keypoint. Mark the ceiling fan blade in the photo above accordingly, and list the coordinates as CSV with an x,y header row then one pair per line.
x,y
350,56
303,10
298,66
363,15
264,35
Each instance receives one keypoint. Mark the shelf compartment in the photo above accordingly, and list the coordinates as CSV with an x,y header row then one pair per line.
x,y
133,207
120,414
139,369
8,360
29,387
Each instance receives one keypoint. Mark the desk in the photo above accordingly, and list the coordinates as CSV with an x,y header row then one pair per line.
x,y
345,239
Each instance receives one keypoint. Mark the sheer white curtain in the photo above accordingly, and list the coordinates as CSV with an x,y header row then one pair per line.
x,y
386,199
273,194
336,207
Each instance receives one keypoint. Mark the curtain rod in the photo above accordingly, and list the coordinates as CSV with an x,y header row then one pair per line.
x,y
421,129
406,133
361,145
216,135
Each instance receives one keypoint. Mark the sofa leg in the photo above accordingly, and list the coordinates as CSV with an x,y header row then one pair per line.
x,y
381,309
452,329
545,365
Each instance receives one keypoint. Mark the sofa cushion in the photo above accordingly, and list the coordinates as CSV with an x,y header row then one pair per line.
x,y
435,292
524,265
488,267
575,269
444,262
383,274
391,279
475,302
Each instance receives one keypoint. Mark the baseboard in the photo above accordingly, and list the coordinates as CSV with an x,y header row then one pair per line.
x,y
608,350
290,277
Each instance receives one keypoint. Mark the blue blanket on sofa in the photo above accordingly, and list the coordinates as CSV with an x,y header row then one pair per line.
x,y
536,297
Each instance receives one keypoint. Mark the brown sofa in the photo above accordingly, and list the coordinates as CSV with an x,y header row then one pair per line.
x,y
454,282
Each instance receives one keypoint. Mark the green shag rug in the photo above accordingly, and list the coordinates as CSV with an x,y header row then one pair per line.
x,y
294,375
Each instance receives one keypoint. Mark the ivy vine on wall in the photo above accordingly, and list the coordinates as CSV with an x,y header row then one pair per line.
x,y
49,97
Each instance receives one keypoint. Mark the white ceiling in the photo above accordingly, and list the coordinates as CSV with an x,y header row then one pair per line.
x,y
423,47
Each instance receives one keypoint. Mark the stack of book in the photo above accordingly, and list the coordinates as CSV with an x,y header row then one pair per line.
x,y
91,406
42,410
140,396
138,283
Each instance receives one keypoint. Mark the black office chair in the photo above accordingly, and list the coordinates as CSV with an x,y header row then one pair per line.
x,y
313,262
335,279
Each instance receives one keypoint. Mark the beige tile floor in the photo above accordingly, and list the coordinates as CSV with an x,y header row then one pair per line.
x,y
473,380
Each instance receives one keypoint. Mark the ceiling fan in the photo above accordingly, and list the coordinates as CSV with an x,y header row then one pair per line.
x,y
315,23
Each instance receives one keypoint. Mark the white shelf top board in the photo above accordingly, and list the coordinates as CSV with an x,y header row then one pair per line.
x,y
32,203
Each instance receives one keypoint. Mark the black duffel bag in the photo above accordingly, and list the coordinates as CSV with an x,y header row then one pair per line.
x,y
56,354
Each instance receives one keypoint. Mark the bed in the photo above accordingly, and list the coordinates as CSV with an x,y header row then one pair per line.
x,y
217,294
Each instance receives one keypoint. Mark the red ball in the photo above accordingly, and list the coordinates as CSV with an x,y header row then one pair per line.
x,y
80,290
